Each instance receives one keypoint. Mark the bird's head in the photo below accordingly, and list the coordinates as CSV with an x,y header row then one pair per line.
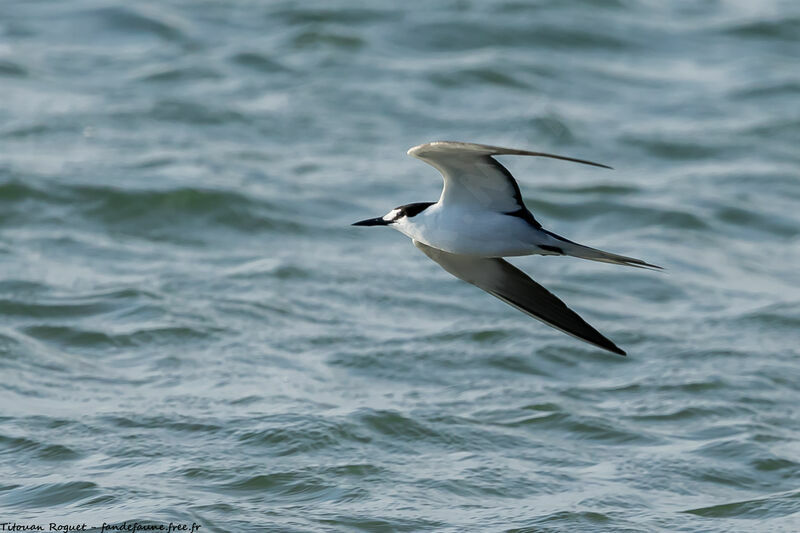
x,y
396,216
389,218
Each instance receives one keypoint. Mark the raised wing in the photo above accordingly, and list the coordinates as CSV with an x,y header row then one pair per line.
x,y
502,280
473,177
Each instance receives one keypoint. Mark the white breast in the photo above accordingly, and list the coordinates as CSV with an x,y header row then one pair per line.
x,y
472,232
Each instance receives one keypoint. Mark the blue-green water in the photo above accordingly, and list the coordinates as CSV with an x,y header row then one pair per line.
x,y
191,331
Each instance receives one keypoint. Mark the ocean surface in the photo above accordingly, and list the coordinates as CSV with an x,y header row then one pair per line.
x,y
192,332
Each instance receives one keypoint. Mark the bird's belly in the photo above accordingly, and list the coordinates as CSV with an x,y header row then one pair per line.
x,y
490,236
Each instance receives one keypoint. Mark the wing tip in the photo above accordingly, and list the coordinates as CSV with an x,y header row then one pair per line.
x,y
605,343
617,350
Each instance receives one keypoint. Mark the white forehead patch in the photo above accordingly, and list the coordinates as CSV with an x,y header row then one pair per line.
x,y
391,215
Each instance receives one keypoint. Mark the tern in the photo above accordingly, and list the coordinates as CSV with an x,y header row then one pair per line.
x,y
481,218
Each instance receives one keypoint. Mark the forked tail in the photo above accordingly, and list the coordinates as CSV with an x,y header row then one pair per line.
x,y
593,254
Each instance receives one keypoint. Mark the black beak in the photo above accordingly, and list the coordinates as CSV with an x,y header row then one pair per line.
x,y
371,222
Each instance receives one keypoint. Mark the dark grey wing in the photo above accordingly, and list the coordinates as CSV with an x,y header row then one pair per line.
x,y
503,280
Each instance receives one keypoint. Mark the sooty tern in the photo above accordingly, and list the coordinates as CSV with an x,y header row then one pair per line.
x,y
481,218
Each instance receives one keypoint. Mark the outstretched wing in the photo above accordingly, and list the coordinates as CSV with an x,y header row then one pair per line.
x,y
473,177
502,280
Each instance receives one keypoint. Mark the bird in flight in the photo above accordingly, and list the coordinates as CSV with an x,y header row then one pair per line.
x,y
481,218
